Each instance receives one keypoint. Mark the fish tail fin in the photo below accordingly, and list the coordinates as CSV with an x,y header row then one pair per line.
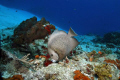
x,y
74,43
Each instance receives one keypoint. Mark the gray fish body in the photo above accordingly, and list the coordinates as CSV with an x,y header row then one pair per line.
x,y
60,44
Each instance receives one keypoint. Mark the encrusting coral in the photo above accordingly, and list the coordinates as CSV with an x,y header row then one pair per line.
x,y
115,62
49,27
15,77
80,76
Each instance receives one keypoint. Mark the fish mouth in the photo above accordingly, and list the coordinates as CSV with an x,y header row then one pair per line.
x,y
53,60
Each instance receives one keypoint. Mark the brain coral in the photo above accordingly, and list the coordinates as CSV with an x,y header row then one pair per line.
x,y
103,71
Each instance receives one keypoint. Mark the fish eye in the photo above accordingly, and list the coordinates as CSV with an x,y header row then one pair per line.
x,y
51,54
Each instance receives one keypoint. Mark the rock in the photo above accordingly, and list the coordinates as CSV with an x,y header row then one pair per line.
x,y
113,37
24,26
110,45
4,57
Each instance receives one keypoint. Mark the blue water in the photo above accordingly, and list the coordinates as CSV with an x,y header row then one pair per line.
x,y
84,16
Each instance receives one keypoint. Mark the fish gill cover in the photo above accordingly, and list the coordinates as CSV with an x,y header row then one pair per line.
x,y
84,16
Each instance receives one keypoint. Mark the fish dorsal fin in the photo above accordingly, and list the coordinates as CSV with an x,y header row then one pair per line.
x,y
56,31
71,32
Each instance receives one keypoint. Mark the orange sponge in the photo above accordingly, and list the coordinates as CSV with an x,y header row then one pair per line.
x,y
15,77
115,62
80,76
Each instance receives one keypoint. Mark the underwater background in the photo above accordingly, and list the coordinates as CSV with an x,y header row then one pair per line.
x,y
39,41
84,16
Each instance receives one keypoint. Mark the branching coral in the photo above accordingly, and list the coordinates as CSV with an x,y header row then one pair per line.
x,y
80,76
103,71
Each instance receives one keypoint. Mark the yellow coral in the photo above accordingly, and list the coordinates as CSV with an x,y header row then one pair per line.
x,y
103,71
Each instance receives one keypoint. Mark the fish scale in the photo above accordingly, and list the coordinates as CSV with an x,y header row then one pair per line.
x,y
60,44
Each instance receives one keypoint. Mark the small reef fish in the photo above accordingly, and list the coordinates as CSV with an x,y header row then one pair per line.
x,y
60,44
100,52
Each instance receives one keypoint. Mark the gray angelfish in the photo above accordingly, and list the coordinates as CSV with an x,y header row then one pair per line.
x,y
60,44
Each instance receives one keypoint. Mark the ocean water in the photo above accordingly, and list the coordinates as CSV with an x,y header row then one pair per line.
x,y
84,16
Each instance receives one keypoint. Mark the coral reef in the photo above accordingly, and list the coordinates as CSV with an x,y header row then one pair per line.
x,y
15,77
115,62
110,45
4,57
94,56
106,51
24,26
91,53
113,37
30,36
30,59
11,64
103,71
40,69
80,76
30,30
38,47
